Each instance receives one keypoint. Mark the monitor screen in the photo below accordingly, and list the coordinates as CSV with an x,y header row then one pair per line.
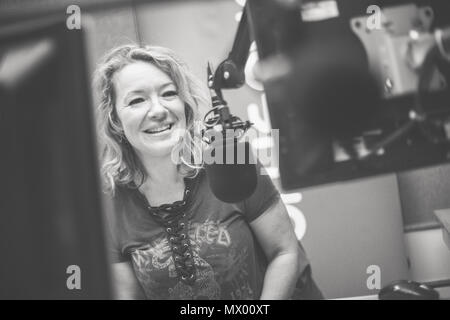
x,y
349,88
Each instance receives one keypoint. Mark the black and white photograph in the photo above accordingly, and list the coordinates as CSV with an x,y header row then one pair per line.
x,y
225,150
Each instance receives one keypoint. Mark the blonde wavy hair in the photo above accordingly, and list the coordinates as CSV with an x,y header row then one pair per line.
x,y
120,165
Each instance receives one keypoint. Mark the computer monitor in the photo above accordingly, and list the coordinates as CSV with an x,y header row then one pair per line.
x,y
51,231
340,90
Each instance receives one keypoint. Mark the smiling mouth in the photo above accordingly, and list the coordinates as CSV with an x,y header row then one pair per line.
x,y
159,129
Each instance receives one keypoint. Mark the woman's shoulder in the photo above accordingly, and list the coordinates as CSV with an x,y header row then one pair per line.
x,y
118,201
116,195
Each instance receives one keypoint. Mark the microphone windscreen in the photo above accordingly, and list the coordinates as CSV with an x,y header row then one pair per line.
x,y
232,181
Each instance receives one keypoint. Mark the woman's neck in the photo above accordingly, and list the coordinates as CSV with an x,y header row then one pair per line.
x,y
164,184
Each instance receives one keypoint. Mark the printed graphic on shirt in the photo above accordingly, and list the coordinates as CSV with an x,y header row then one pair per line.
x,y
221,266
210,232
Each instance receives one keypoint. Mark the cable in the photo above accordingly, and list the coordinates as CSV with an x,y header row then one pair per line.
x,y
205,122
404,129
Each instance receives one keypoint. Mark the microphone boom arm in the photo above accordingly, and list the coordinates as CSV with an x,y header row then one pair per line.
x,y
230,72
229,75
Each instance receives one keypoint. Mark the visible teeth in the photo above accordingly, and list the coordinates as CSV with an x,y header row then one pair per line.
x,y
160,129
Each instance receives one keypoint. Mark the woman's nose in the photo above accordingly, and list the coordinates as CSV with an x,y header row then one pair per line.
x,y
156,110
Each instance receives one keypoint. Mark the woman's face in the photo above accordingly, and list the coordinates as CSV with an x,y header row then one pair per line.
x,y
149,107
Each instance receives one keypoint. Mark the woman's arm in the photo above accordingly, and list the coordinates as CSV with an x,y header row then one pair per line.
x,y
125,284
274,231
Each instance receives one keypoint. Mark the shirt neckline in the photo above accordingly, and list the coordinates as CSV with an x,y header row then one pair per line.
x,y
191,188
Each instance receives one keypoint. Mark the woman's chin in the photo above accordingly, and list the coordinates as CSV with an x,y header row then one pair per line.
x,y
159,148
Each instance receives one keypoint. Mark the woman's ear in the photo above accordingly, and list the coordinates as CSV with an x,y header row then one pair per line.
x,y
116,126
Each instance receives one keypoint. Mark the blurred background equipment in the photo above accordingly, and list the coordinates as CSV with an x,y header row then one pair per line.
x,y
408,290
364,92
51,223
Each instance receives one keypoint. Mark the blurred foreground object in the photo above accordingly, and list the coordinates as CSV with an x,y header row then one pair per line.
x,y
51,225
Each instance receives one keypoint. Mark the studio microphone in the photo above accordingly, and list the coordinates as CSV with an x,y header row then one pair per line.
x,y
232,172
229,162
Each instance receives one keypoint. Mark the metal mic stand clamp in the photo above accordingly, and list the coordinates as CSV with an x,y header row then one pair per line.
x,y
221,112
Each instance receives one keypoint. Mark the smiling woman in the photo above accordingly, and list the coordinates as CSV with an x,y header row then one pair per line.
x,y
170,237
149,108
141,91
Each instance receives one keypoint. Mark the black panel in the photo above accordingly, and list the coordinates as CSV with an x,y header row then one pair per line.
x,y
329,95
51,215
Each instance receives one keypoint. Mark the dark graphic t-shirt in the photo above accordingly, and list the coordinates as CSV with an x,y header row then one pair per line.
x,y
228,261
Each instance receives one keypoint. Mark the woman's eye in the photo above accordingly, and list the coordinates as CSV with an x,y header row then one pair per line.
x,y
170,93
136,101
